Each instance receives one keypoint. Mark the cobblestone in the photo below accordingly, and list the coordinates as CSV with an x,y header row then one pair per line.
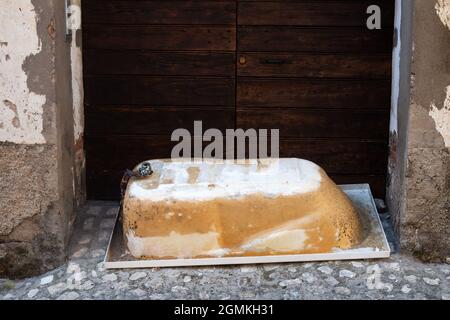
x,y
85,277
46,280
346,274
137,276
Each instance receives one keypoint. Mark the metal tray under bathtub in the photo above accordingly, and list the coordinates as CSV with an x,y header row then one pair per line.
x,y
375,244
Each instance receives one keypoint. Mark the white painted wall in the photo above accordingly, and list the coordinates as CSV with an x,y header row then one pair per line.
x,y
21,111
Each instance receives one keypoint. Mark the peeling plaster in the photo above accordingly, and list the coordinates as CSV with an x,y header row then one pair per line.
x,y
77,88
21,110
441,113
76,56
441,117
443,11
36,137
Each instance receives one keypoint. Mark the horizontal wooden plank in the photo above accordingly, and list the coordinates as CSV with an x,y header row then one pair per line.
x,y
308,93
159,91
159,12
126,151
160,37
122,152
139,62
335,156
365,160
299,123
103,184
339,156
297,39
377,182
314,65
159,121
313,13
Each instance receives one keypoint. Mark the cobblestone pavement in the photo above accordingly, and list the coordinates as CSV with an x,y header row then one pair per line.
x,y
84,276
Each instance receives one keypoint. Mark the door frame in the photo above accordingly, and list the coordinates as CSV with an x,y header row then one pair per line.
x,y
399,115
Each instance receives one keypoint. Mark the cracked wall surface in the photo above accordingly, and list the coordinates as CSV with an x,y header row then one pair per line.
x,y
39,176
425,226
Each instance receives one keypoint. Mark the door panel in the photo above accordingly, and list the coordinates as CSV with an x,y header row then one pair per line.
x,y
152,67
313,70
163,12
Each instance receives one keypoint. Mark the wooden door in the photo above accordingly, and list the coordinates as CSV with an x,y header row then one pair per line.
x,y
314,70
151,67
310,68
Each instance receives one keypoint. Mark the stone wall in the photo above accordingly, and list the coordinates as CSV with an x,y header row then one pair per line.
x,y
40,178
425,226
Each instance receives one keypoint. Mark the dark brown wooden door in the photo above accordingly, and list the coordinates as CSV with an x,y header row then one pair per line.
x,y
310,68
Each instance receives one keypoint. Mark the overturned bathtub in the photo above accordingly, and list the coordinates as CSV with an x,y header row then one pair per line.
x,y
227,212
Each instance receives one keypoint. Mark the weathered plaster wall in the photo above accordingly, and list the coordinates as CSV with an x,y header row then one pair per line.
x,y
401,82
425,225
37,151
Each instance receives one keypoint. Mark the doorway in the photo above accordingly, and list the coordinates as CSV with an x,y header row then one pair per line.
x,y
310,68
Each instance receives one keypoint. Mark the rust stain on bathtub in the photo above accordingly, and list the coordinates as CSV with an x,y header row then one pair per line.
x,y
287,208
